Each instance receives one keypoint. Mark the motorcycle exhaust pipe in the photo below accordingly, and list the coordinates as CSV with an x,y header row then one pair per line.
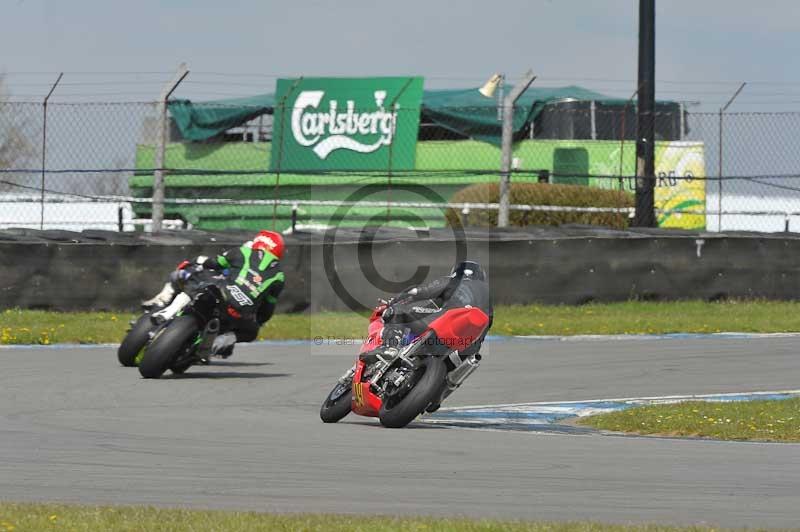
x,y
456,377
212,327
209,335
462,371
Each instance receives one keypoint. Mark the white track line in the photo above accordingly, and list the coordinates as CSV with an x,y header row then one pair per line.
x,y
623,399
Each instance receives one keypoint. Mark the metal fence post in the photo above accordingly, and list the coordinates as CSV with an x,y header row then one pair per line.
x,y
44,144
161,147
465,216
507,141
394,107
279,161
719,167
645,214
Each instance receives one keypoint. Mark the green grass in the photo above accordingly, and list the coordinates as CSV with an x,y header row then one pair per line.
x,y
639,317
42,517
41,327
748,420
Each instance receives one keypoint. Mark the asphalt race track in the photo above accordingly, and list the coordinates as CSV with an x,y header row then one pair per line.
x,y
245,434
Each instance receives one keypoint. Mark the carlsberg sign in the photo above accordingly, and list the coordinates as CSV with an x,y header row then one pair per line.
x,y
346,124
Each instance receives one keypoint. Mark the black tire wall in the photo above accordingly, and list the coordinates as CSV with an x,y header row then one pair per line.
x,y
545,265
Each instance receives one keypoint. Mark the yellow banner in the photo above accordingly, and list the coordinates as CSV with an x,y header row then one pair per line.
x,y
680,197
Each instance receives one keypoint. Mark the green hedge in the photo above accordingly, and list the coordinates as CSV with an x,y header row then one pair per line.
x,y
542,194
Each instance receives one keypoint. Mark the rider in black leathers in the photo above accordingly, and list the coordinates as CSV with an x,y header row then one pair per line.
x,y
416,307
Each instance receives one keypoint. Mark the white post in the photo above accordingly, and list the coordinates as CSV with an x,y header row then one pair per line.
x,y
161,147
507,141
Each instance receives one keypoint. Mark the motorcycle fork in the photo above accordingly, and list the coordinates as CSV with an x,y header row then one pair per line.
x,y
347,378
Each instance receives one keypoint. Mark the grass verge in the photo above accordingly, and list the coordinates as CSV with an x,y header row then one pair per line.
x,y
19,517
776,420
42,327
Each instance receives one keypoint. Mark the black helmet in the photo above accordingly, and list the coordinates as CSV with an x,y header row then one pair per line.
x,y
468,270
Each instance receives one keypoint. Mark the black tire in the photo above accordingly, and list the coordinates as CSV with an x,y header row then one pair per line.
x,y
166,345
180,369
333,410
427,388
135,340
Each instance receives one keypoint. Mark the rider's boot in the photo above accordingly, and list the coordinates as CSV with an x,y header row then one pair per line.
x,y
161,299
180,301
391,339
223,345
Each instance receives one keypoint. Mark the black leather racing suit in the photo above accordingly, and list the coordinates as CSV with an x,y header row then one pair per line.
x,y
418,306
255,275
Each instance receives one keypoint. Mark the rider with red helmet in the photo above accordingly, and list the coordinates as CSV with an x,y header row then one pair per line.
x,y
254,268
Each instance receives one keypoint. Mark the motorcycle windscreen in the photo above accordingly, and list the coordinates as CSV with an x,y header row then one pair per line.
x,y
373,340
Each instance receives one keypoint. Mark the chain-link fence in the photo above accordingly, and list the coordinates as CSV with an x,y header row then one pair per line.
x,y
375,159
69,166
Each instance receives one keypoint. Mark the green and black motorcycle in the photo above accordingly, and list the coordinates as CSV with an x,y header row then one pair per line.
x,y
157,345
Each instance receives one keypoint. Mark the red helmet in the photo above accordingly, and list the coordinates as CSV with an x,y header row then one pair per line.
x,y
269,241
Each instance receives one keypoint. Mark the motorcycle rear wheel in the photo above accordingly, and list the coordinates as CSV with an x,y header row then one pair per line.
x,y
333,410
427,388
168,343
135,341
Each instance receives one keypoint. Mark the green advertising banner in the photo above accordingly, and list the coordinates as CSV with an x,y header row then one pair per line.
x,y
345,124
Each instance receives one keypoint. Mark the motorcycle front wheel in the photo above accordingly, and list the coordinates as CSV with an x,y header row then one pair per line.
x,y
168,343
428,382
338,403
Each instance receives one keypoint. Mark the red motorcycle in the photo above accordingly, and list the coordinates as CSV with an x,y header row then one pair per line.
x,y
396,384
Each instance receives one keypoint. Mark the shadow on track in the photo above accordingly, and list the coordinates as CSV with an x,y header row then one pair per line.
x,y
510,427
225,375
226,364
373,423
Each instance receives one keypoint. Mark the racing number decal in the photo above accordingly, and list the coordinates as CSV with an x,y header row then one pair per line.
x,y
358,394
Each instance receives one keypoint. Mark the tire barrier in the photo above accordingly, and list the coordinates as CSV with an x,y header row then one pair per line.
x,y
103,270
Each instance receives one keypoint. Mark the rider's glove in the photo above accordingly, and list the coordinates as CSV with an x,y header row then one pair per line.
x,y
387,314
406,296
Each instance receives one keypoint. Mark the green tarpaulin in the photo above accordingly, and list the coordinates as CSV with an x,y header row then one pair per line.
x,y
469,113
204,120
464,111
